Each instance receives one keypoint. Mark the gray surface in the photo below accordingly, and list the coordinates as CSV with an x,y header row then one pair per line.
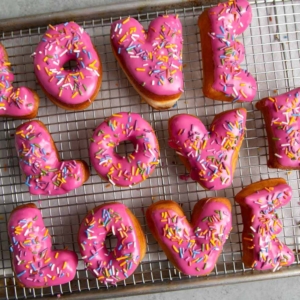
x,y
20,8
267,290
288,288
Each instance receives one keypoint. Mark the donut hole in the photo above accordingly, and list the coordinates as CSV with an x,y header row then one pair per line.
x,y
70,65
124,148
111,241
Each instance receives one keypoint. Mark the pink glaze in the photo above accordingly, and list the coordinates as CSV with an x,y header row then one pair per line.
x,y
45,173
35,264
227,21
60,44
260,233
209,153
133,168
195,247
284,111
153,59
15,102
112,266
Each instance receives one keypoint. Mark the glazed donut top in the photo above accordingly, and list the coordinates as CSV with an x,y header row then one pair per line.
x,y
284,112
264,225
209,153
135,167
109,266
45,173
15,102
227,20
35,263
153,59
196,248
60,44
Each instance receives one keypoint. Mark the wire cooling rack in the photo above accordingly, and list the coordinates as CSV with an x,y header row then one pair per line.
x,y
272,55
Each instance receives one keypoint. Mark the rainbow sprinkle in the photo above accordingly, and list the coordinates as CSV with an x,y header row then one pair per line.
x,y
209,153
154,59
45,174
260,241
60,44
195,248
34,261
134,167
109,266
228,20
284,112
13,101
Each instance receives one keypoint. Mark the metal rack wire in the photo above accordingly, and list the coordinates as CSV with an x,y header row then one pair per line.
x,y
272,55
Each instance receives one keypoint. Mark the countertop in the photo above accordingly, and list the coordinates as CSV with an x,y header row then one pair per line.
x,y
286,288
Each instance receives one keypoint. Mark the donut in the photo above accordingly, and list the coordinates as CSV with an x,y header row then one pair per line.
x,y
17,103
193,248
262,250
111,219
35,264
73,89
124,171
209,156
222,53
281,115
39,160
152,61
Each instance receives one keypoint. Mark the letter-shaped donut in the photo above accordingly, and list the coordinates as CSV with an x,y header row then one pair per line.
x,y
281,114
262,250
210,156
18,103
69,89
152,61
192,248
39,160
112,219
222,54
135,167
35,264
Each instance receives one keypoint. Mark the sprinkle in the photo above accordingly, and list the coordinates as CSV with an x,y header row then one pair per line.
x,y
21,273
155,64
50,179
232,80
175,249
213,165
126,20
61,44
263,242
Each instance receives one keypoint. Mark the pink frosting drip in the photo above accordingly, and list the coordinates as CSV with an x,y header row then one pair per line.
x,y
112,266
45,173
15,102
60,44
195,247
209,153
133,168
153,59
285,126
268,251
35,263
229,20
